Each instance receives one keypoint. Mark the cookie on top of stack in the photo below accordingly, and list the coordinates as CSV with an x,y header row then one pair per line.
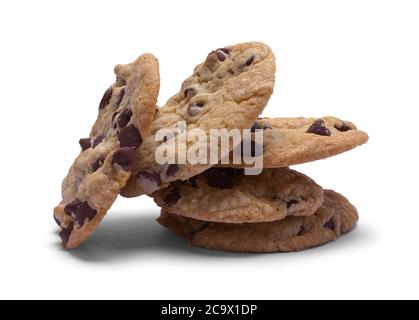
x,y
214,207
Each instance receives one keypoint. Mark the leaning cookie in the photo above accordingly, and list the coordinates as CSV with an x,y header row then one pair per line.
x,y
228,91
102,169
228,196
336,217
291,141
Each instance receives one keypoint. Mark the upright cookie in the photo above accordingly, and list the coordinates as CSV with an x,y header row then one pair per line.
x,y
291,141
228,91
102,169
227,196
336,217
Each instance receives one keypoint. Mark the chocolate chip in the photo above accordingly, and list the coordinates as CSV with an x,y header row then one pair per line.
x,y
291,203
302,231
194,108
172,197
171,170
319,128
72,207
80,211
225,50
220,178
57,221
97,141
343,127
97,164
124,118
125,157
249,61
85,143
66,233
192,182
120,96
130,137
190,92
150,175
220,55
330,225
83,212
256,150
256,126
106,98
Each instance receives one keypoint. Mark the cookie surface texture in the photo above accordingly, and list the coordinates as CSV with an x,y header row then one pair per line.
x,y
228,91
336,217
291,141
228,196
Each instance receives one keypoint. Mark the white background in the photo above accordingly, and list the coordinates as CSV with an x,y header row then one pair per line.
x,y
358,60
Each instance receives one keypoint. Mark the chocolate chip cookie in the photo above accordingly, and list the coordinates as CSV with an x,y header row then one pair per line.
x,y
228,196
102,169
228,91
291,141
336,217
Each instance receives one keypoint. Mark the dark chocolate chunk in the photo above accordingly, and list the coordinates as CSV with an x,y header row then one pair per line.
x,y
250,61
256,126
85,143
172,169
192,182
330,224
319,128
106,98
256,150
72,207
66,233
220,55
124,118
225,50
172,197
83,212
130,137
125,157
343,127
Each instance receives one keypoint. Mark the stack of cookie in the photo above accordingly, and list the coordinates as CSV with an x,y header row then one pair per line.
x,y
214,207
279,210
